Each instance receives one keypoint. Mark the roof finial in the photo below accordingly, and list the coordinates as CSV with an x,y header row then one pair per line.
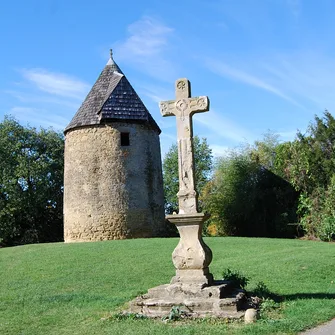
x,y
112,63
111,60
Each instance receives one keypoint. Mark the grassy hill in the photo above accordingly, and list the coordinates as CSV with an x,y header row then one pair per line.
x,y
75,288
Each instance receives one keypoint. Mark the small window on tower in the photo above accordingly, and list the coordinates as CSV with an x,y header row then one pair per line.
x,y
125,139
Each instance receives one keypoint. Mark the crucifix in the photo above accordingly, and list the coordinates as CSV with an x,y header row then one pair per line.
x,y
183,108
192,256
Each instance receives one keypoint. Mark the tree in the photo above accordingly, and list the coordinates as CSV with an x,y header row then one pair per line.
x,y
246,197
31,184
203,161
311,169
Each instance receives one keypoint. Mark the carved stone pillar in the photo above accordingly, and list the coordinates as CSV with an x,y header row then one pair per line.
x,y
192,256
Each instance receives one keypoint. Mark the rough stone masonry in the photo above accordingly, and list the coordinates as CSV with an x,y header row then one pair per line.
x,y
113,184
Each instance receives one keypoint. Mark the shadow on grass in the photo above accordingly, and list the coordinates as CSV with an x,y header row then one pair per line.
x,y
298,296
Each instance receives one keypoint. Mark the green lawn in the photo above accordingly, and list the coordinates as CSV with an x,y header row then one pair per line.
x,y
74,288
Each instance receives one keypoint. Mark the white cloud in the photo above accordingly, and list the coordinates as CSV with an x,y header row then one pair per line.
x,y
288,135
146,48
39,116
46,98
169,136
220,150
148,37
56,83
156,93
307,75
223,127
239,75
38,98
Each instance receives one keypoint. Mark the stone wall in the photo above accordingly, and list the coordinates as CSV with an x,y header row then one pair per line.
x,y
112,191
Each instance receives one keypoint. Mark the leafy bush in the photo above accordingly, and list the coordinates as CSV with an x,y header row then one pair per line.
x,y
261,290
238,279
317,212
267,307
245,198
326,231
310,168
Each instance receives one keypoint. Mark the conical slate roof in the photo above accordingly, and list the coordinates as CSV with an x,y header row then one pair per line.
x,y
112,98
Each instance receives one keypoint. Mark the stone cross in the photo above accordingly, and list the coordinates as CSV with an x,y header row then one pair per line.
x,y
183,108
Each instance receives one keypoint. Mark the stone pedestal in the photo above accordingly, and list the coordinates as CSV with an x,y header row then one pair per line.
x,y
192,288
192,256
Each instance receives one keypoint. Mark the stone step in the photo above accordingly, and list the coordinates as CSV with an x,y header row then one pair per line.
x,y
218,300
192,307
220,289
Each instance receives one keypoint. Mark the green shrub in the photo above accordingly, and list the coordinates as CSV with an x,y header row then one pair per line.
x,y
261,290
326,231
317,212
238,279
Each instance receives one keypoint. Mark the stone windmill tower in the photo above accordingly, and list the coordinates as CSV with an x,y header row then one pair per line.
x,y
113,187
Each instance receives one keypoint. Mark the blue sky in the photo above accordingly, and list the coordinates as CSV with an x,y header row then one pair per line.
x,y
265,64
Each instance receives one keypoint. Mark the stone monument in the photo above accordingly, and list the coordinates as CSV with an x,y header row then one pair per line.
x,y
193,287
192,256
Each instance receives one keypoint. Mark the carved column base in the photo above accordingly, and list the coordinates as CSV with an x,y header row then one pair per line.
x,y
192,256
202,277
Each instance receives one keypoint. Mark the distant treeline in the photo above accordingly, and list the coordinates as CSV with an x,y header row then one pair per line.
x,y
268,189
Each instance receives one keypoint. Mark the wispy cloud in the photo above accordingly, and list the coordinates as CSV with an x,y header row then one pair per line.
x,y
42,97
56,83
220,150
171,137
228,71
287,135
155,93
145,47
37,98
148,37
39,116
295,7
308,75
223,127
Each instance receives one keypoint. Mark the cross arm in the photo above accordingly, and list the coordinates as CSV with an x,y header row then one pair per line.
x,y
199,104
167,107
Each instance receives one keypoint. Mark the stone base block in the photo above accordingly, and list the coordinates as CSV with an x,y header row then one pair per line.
x,y
193,276
217,300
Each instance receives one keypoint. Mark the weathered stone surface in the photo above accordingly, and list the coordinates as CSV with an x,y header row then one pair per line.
x,y
218,300
250,315
112,191
192,256
183,108
192,288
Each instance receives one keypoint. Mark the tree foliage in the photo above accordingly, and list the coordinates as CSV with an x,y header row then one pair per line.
x,y
203,161
310,167
264,189
246,198
270,188
31,184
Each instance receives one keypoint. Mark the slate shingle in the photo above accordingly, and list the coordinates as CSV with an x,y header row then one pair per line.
x,y
112,98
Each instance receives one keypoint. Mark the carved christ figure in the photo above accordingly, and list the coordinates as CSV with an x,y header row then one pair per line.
x,y
183,108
